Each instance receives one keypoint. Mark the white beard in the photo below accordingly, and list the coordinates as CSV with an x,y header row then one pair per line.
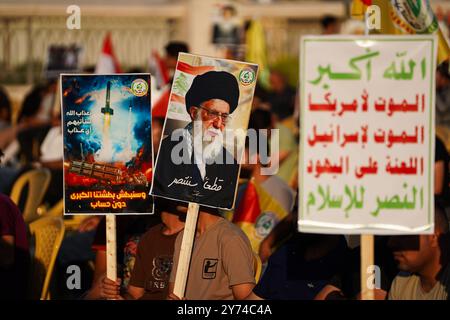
x,y
210,145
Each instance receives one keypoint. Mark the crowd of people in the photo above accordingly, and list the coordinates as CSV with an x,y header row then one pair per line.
x,y
224,265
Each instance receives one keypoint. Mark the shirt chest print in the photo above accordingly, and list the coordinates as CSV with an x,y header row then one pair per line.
x,y
162,265
209,269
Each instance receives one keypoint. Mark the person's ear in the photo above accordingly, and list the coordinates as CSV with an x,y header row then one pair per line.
x,y
193,112
434,240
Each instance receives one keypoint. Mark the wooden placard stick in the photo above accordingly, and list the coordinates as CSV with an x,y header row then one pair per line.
x,y
367,242
187,243
367,260
111,247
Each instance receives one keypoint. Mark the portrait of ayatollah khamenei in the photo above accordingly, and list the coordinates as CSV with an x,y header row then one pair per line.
x,y
204,131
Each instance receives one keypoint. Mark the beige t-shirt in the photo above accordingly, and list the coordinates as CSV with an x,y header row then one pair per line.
x,y
221,258
408,287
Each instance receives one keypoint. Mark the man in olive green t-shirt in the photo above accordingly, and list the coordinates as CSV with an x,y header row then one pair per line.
x,y
423,261
222,265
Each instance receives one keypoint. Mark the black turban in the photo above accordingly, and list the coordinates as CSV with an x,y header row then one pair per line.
x,y
213,85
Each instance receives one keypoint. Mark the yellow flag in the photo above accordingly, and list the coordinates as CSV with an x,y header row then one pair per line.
x,y
411,17
359,7
256,50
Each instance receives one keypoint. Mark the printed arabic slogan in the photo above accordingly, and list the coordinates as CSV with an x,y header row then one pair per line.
x,y
367,134
107,143
204,132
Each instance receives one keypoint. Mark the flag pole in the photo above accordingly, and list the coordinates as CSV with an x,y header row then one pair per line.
x,y
186,250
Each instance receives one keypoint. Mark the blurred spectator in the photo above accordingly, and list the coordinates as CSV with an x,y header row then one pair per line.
x,y
172,49
346,284
260,99
443,95
424,263
5,110
37,108
160,100
251,168
8,131
301,267
263,123
282,231
253,164
330,25
154,258
76,245
51,157
441,174
257,166
14,255
36,116
157,130
76,249
281,97
9,170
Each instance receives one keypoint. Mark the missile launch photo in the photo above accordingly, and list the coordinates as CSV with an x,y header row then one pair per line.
x,y
107,139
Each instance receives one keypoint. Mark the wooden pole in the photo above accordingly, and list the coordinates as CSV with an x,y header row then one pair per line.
x,y
367,259
111,247
186,250
367,243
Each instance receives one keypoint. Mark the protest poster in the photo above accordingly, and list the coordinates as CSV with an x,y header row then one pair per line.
x,y
367,134
108,156
204,132
203,140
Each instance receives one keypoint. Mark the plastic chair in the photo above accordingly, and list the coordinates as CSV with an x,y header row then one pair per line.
x,y
70,224
257,264
38,181
48,233
56,211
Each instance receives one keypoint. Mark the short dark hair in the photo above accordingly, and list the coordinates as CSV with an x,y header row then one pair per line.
x,y
135,70
441,219
162,204
328,20
5,103
173,48
260,119
170,206
32,102
443,69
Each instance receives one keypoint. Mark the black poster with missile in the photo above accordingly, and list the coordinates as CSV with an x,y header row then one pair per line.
x,y
106,123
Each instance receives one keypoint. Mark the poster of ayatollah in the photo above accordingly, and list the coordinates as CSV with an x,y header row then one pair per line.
x,y
106,123
204,131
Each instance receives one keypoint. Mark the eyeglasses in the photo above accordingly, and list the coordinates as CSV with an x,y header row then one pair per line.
x,y
212,115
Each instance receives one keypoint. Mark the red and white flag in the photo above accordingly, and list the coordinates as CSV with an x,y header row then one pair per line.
x,y
159,70
107,62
